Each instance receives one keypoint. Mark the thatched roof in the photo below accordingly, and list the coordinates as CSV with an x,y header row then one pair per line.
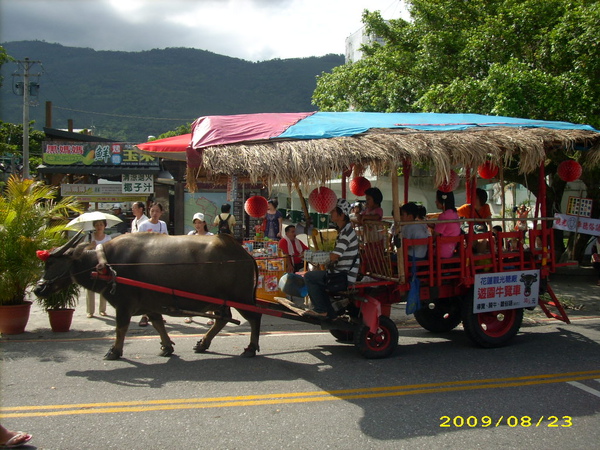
x,y
316,160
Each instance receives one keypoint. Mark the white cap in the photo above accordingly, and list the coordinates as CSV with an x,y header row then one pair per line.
x,y
117,206
198,216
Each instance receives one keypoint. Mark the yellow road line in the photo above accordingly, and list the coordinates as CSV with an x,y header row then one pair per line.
x,y
291,397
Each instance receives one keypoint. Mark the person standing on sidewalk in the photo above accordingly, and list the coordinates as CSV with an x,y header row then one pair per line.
x,y
152,225
96,238
596,258
138,209
200,229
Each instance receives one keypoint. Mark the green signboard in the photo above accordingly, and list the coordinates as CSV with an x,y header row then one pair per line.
x,y
118,154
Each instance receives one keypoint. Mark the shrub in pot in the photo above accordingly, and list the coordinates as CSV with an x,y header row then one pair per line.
x,y
60,307
31,219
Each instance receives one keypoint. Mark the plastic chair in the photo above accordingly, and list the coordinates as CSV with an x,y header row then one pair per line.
x,y
511,254
452,268
424,268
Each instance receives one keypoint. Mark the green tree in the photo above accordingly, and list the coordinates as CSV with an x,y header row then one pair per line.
x,y
534,58
4,58
11,145
538,59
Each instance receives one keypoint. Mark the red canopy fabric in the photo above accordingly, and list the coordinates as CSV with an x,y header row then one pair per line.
x,y
172,147
222,130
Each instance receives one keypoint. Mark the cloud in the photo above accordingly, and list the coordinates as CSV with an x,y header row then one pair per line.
x,y
248,29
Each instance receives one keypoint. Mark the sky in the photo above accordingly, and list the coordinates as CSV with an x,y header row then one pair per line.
x,y
254,30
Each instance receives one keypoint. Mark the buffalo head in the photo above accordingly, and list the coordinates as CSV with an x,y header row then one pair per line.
x,y
528,280
57,270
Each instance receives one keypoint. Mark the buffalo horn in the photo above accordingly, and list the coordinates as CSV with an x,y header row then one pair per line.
x,y
72,243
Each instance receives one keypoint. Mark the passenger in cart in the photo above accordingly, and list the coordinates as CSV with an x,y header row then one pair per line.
x,y
445,202
343,258
409,212
293,248
478,210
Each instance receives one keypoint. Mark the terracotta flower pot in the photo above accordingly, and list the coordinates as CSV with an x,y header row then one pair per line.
x,y
14,318
60,319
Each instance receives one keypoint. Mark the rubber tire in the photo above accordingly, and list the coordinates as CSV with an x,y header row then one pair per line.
x,y
377,346
343,336
496,333
433,319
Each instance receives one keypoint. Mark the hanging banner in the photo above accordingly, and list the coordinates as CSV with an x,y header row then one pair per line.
x,y
582,225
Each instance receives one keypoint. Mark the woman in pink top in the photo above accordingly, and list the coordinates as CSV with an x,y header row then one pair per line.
x,y
445,202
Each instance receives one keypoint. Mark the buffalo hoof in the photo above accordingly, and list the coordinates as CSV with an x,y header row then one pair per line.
x,y
249,352
200,346
166,351
113,354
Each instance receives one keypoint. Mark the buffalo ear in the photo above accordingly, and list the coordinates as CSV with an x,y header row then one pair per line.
x,y
78,251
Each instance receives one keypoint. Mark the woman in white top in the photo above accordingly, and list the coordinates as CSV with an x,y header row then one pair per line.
x,y
96,238
154,223
138,209
201,229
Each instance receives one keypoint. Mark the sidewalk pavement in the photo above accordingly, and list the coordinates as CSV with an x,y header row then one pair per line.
x,y
574,286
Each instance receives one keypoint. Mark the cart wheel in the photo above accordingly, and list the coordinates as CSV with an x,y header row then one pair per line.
x,y
378,345
445,316
344,336
490,329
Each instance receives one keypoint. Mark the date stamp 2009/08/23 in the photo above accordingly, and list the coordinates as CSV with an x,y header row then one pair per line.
x,y
510,421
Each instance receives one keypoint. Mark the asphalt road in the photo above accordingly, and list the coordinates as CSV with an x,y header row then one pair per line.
x,y
306,390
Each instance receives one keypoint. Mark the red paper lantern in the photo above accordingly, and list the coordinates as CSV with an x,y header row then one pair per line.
x,y
358,186
322,199
569,170
256,206
487,170
450,184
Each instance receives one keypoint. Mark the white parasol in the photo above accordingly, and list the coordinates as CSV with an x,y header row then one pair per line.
x,y
85,221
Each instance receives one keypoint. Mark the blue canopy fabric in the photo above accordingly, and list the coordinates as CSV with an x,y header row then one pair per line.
x,y
337,124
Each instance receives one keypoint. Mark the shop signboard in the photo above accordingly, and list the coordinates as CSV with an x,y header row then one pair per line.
x,y
118,154
100,193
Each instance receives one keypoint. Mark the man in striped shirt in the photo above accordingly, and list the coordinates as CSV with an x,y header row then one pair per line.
x,y
343,258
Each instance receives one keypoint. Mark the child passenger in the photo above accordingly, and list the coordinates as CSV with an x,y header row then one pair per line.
x,y
445,202
409,212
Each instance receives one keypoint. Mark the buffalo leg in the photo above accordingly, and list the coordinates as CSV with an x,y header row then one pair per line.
x,y
203,344
254,319
123,319
166,345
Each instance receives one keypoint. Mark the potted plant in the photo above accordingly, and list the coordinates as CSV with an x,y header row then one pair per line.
x,y
30,219
60,307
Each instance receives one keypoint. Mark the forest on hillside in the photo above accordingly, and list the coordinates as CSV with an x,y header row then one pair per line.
x,y
128,96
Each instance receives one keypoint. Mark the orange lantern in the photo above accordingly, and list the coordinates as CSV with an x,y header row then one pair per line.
x,y
569,170
487,170
256,206
322,199
358,186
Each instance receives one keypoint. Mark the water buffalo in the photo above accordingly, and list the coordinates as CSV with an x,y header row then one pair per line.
x,y
214,266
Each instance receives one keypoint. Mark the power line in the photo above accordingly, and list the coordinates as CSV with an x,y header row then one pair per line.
x,y
122,115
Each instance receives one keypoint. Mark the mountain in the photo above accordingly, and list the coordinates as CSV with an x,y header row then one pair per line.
x,y
130,95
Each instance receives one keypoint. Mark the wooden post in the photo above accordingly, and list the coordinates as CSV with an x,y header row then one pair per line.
x,y
304,206
396,212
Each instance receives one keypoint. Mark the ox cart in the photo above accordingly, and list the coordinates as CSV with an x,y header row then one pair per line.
x,y
485,291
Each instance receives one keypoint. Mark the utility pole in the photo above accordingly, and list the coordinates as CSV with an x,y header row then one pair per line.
x,y
28,89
